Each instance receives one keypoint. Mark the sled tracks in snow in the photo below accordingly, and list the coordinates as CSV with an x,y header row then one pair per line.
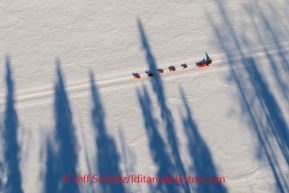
x,y
120,79
114,80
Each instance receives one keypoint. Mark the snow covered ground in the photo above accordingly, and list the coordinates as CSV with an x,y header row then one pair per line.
x,y
70,105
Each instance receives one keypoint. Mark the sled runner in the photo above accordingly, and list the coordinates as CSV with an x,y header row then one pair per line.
x,y
204,62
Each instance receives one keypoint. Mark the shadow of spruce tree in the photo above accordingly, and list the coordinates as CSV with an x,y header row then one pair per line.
x,y
166,114
11,147
203,162
61,150
107,155
260,107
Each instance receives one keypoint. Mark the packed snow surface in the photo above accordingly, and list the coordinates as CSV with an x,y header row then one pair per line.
x,y
70,106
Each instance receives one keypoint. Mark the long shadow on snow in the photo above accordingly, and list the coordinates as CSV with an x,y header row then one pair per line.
x,y
63,159
268,102
165,112
274,36
157,146
11,147
200,153
275,125
107,155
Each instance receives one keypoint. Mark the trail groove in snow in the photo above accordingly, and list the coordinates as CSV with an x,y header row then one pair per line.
x,y
119,79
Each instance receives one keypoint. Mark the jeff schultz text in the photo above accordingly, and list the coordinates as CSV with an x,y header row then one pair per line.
x,y
86,178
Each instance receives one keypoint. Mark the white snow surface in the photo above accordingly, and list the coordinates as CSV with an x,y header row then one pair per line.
x,y
70,105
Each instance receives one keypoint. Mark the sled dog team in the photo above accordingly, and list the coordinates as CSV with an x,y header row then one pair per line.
x,y
202,63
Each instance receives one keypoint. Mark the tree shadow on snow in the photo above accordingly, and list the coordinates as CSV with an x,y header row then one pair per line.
x,y
107,155
11,147
166,114
61,149
274,36
261,108
275,125
200,153
157,146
